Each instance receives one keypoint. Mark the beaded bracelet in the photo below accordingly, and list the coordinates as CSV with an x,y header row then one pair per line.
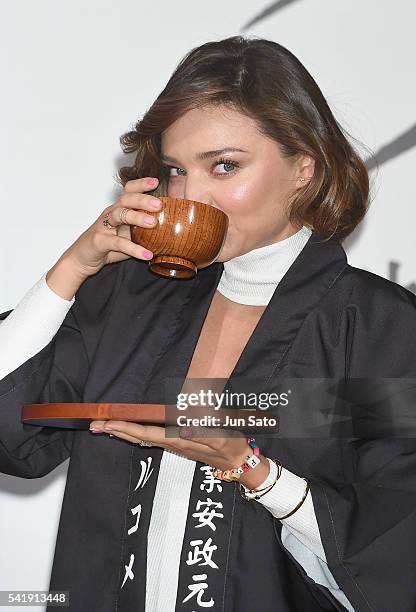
x,y
235,474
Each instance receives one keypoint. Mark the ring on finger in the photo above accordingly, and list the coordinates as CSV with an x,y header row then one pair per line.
x,y
107,223
144,443
123,215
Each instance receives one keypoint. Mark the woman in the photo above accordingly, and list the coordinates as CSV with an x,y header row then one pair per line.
x,y
145,524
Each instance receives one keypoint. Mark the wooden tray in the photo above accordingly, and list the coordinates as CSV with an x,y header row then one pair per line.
x,y
80,415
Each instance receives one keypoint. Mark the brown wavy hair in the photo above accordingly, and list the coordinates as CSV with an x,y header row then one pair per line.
x,y
265,81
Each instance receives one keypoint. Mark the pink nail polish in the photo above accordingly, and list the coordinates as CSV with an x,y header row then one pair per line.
x,y
95,430
186,432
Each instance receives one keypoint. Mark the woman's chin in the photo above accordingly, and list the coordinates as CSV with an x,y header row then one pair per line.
x,y
228,251
225,255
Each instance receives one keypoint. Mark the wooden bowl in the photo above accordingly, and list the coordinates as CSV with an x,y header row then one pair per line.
x,y
189,235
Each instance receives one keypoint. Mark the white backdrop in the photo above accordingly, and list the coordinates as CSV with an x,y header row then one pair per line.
x,y
76,75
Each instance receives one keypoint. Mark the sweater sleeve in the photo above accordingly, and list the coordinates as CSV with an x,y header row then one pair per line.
x,y
300,531
31,325
42,359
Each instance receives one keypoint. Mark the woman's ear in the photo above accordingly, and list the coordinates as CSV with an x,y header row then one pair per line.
x,y
306,168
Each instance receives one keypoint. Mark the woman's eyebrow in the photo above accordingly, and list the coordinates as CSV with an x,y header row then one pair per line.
x,y
207,154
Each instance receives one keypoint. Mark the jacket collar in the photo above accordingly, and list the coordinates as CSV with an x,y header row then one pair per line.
x,y
152,324
305,283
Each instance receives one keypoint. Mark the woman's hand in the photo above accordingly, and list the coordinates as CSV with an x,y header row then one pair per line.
x,y
224,453
100,245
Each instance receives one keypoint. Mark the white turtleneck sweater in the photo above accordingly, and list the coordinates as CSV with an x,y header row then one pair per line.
x,y
248,279
252,278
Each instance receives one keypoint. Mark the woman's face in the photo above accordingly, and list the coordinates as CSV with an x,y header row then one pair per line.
x,y
251,186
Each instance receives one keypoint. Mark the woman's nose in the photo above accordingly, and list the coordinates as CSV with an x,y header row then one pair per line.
x,y
198,197
202,198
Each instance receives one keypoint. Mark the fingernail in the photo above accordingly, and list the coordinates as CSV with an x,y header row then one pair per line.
x,y
149,220
186,432
95,430
152,181
156,203
147,254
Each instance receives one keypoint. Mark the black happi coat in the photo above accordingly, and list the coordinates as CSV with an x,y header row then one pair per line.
x,y
127,332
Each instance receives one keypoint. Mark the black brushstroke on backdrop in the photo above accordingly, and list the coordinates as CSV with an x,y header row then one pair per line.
x,y
400,144
270,10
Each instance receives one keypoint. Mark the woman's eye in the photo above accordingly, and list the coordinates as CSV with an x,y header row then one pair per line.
x,y
227,164
169,168
229,167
